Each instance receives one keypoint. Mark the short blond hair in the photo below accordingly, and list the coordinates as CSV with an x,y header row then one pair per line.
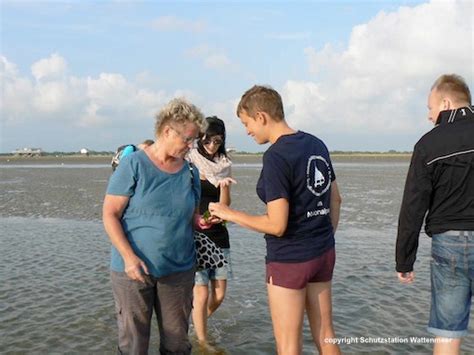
x,y
454,86
147,142
262,98
179,112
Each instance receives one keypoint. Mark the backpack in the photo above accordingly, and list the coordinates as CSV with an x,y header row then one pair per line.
x,y
120,153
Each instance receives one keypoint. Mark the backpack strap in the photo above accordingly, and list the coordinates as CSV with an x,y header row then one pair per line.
x,y
193,172
119,154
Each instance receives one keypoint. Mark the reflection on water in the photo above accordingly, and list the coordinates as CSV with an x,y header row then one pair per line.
x,y
55,294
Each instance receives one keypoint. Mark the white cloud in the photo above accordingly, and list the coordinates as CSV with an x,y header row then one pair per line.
x,y
173,23
49,68
217,61
16,92
108,89
303,99
211,58
55,97
8,70
377,83
380,81
91,117
50,97
226,111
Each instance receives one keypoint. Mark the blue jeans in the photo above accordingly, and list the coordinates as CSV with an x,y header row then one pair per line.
x,y
452,283
223,273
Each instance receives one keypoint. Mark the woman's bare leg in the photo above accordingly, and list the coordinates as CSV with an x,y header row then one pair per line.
x,y
216,295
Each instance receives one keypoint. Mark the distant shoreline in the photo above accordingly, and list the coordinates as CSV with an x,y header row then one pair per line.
x,y
248,158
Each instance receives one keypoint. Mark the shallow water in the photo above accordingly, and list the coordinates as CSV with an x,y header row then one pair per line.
x,y
55,294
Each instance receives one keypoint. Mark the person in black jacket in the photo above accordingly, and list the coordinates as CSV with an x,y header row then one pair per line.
x,y
440,185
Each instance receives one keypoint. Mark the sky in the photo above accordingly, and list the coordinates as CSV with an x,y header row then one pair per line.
x,y
93,74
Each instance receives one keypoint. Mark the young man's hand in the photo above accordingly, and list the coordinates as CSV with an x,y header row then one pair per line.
x,y
406,277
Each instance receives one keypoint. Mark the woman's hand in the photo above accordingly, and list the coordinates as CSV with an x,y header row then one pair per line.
x,y
135,267
203,223
111,214
220,211
225,182
224,186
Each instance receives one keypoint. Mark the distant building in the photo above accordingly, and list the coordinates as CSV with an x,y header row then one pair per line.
x,y
230,150
28,152
84,151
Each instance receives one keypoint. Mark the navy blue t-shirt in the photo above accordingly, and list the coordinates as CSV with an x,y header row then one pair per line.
x,y
297,167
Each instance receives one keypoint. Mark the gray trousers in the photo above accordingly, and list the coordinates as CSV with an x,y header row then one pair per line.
x,y
171,296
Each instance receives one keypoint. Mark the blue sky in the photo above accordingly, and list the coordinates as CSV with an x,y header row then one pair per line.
x,y
355,73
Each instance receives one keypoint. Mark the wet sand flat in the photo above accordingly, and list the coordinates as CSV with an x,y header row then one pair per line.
x,y
55,294
236,158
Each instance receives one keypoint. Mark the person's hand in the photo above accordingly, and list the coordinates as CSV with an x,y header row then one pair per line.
x,y
135,267
203,223
220,210
406,277
226,182
214,220
206,223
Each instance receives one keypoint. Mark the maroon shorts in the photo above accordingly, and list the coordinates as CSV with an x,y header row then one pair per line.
x,y
298,275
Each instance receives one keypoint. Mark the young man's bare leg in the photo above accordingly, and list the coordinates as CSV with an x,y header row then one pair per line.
x,y
319,311
287,312
447,346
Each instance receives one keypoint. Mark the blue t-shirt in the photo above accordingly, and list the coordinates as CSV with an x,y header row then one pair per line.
x,y
158,218
297,167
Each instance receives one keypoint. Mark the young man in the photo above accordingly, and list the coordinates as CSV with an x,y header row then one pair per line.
x,y
298,185
440,181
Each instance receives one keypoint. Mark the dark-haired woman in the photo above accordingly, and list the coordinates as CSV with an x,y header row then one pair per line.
x,y
214,167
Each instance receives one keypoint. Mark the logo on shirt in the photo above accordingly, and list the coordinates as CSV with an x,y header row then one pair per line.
x,y
318,175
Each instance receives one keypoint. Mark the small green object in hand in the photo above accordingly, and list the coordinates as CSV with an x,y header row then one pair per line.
x,y
206,215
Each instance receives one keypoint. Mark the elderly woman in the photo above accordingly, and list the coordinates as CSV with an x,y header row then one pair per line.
x,y
148,214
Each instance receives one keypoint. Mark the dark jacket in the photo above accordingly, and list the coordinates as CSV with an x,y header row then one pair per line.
x,y
441,181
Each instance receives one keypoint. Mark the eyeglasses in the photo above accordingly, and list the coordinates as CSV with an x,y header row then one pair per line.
x,y
215,141
188,140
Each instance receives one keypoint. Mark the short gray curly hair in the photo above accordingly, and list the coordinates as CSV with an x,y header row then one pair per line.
x,y
179,112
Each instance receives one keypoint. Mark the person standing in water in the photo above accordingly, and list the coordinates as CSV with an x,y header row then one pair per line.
x,y
298,185
440,185
210,157
148,214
